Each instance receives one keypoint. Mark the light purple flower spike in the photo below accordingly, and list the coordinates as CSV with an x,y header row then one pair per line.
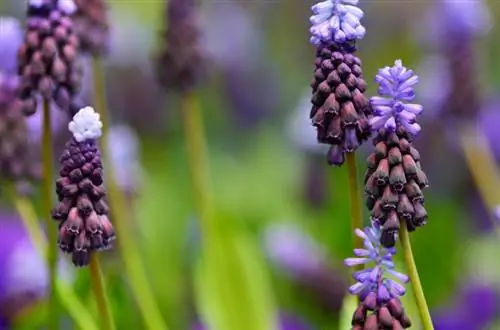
x,y
373,279
390,109
336,21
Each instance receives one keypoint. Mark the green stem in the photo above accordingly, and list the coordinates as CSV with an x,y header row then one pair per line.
x,y
100,293
129,250
197,158
355,202
48,167
418,291
76,310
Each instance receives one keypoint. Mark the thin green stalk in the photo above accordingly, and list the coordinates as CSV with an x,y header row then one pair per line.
x,y
118,206
76,310
100,293
48,167
197,158
355,202
418,292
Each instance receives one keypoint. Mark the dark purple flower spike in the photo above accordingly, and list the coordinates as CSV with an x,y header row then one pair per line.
x,y
339,108
47,60
82,212
394,179
181,64
91,25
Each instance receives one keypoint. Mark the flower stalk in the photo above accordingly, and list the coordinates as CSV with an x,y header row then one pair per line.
x,y
197,157
418,292
48,166
127,242
100,293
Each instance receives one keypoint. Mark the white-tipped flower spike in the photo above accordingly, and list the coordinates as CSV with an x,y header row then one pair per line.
x,y
86,125
67,6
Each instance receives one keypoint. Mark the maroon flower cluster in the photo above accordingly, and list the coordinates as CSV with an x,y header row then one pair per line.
x,y
47,60
374,315
18,163
181,64
393,183
84,225
91,25
339,110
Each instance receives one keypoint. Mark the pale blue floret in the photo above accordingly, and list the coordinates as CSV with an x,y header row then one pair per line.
x,y
336,21
374,279
396,87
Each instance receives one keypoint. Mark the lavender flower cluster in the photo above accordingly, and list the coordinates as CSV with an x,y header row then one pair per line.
x,y
380,307
394,179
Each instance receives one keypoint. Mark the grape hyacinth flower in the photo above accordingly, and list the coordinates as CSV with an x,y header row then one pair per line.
x,y
180,62
339,110
19,163
379,306
47,60
336,21
84,226
394,179
91,25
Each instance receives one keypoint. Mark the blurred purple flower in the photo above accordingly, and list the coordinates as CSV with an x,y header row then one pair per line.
x,y
123,146
300,256
435,84
396,87
336,21
24,275
449,20
286,322
11,37
476,308
293,250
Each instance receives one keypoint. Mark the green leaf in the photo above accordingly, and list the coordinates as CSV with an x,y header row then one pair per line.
x,y
232,286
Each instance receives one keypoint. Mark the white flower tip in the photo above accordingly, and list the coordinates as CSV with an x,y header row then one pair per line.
x,y
398,63
67,6
86,125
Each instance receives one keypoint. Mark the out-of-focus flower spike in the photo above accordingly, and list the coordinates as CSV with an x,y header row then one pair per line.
x,y
91,25
48,59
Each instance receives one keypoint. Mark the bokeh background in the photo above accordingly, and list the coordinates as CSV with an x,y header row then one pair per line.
x,y
286,208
